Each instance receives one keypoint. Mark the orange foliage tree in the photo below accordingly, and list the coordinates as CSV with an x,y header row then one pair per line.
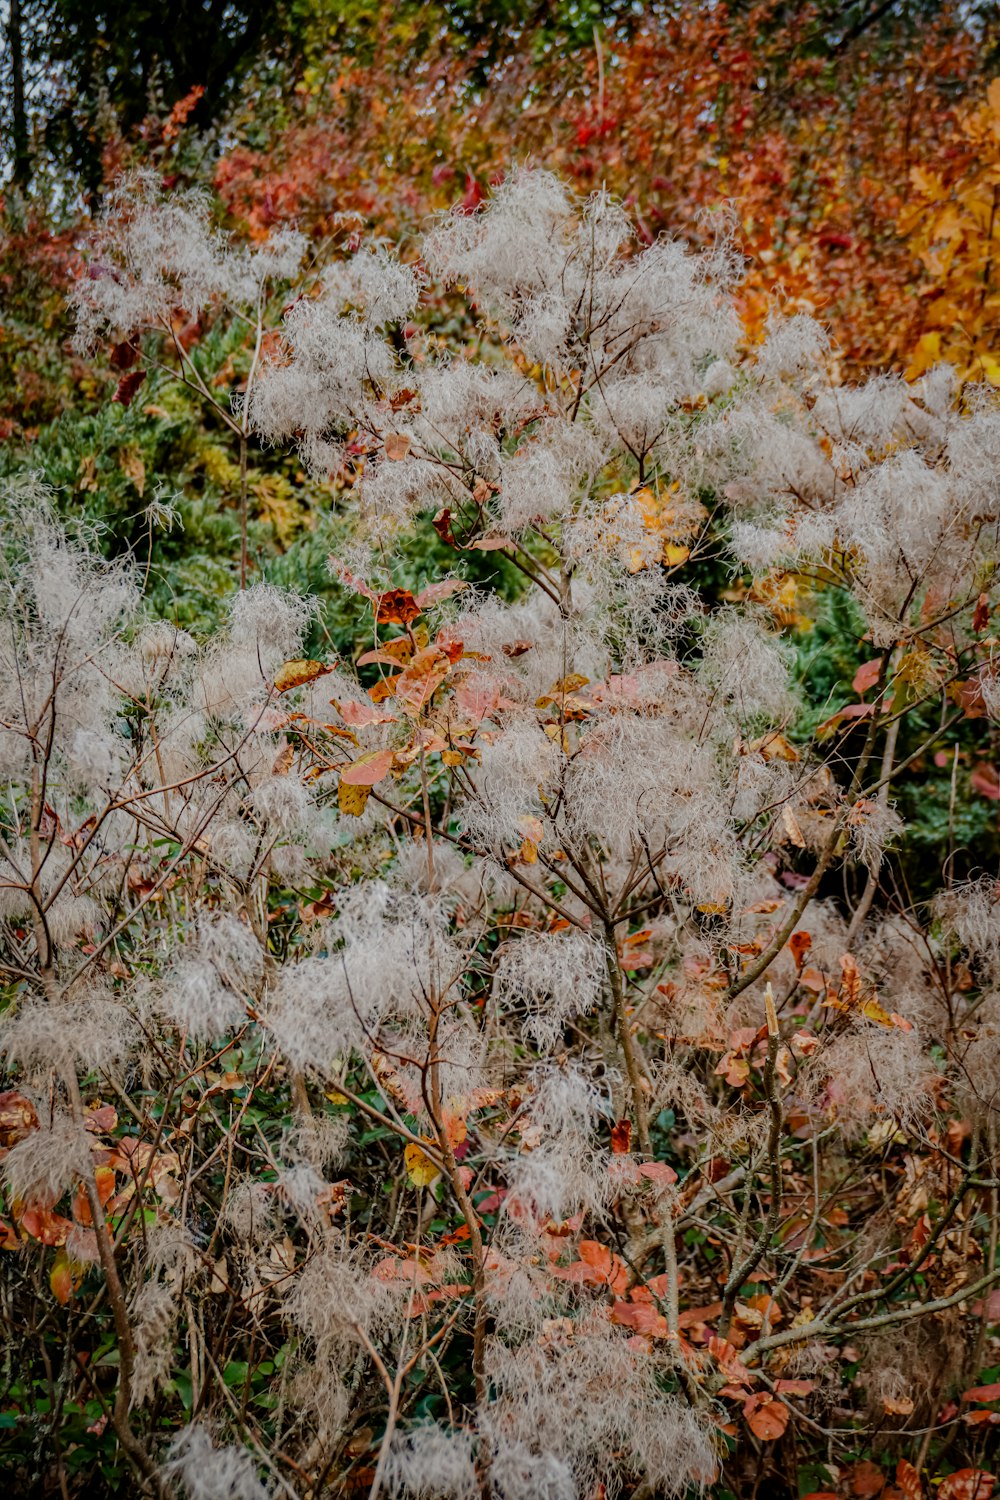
x,y
697,110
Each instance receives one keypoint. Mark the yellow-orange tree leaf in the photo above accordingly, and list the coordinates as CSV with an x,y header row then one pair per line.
x,y
352,800
419,1168
297,673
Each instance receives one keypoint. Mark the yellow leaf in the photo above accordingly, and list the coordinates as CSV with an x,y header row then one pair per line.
x,y
297,673
673,555
352,800
419,1168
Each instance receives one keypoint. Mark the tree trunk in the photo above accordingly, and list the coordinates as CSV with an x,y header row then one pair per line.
x,y
19,118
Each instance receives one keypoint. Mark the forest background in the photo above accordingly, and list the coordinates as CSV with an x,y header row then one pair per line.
x,y
853,154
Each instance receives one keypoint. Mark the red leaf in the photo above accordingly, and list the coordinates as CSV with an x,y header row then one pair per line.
x,y
621,1137
44,1225
123,356
766,1417
128,386
851,711
867,675
442,525
981,613
967,1484
908,1480
983,1392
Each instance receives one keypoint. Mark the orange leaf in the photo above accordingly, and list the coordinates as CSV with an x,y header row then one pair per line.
x,y
800,943
867,1479
396,607
967,1484
383,689
983,1392
359,715
397,445
18,1117
61,1277
44,1225
621,1137
766,1417
597,1266
908,1480
417,683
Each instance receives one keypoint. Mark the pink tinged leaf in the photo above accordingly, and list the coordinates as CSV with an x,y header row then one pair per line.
x,y
435,592
867,675
370,769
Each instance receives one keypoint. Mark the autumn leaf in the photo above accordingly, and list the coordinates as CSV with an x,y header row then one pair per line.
x,y
800,942
419,1168
435,592
397,445
396,607
18,1117
352,800
369,769
297,673
967,1484
621,1137
417,683
361,715
597,1266
983,1392
908,1480
765,1416
44,1225
104,1178
775,747
867,675
123,356
384,688
61,1277
659,1173
127,387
